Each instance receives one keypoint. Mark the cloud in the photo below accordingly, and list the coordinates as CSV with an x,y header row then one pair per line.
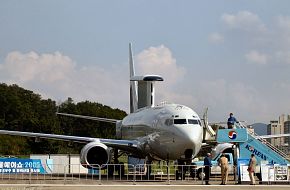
x,y
248,33
256,57
243,20
282,57
265,45
159,60
216,38
47,68
284,22
57,76
222,96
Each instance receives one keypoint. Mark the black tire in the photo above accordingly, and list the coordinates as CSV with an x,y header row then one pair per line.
x,y
180,174
259,176
200,174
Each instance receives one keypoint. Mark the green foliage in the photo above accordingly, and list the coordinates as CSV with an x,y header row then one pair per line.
x,y
22,110
13,145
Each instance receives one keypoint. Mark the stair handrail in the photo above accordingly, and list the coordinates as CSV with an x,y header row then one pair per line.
x,y
265,142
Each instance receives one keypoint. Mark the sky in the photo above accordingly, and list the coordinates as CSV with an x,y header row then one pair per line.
x,y
224,55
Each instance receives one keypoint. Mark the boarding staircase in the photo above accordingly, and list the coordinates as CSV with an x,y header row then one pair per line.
x,y
262,146
277,155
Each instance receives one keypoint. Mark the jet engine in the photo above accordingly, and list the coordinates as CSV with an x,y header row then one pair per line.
x,y
95,155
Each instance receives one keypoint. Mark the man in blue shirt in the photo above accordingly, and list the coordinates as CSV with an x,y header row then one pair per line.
x,y
231,121
207,165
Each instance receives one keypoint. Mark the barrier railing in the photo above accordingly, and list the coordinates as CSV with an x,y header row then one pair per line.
x,y
132,174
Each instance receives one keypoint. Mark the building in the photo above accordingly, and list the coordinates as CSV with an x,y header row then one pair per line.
x,y
273,128
287,130
280,126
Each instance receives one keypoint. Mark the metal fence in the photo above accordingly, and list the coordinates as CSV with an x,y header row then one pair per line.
x,y
104,174
77,173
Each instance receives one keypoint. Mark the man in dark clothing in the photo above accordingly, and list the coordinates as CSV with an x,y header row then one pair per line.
x,y
207,166
231,121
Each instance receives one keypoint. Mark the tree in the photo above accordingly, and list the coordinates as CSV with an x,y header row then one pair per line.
x,y
23,110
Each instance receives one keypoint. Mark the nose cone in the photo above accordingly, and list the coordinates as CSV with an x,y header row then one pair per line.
x,y
191,137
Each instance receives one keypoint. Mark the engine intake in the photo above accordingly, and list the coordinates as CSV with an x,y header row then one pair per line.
x,y
95,155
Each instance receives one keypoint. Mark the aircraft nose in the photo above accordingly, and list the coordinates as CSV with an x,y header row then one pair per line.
x,y
192,137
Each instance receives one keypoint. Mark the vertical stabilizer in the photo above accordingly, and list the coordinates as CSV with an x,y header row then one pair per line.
x,y
141,87
133,85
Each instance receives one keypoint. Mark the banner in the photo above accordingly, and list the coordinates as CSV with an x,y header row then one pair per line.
x,y
281,172
15,165
267,172
276,172
242,169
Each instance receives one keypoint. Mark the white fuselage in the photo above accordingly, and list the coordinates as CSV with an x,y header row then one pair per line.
x,y
164,132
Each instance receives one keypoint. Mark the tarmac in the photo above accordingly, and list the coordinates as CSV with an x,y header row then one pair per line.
x,y
59,183
138,187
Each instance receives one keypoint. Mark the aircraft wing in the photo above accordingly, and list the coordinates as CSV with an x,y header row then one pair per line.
x,y
274,136
89,117
121,144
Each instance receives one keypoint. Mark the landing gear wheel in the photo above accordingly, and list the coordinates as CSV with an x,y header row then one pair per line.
x,y
200,174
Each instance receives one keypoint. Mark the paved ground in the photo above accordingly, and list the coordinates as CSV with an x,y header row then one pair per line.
x,y
140,187
20,182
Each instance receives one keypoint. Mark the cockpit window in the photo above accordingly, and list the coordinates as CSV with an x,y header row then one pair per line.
x,y
193,121
180,121
168,122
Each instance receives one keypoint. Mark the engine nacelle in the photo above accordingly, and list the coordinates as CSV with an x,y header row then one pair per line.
x,y
95,154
